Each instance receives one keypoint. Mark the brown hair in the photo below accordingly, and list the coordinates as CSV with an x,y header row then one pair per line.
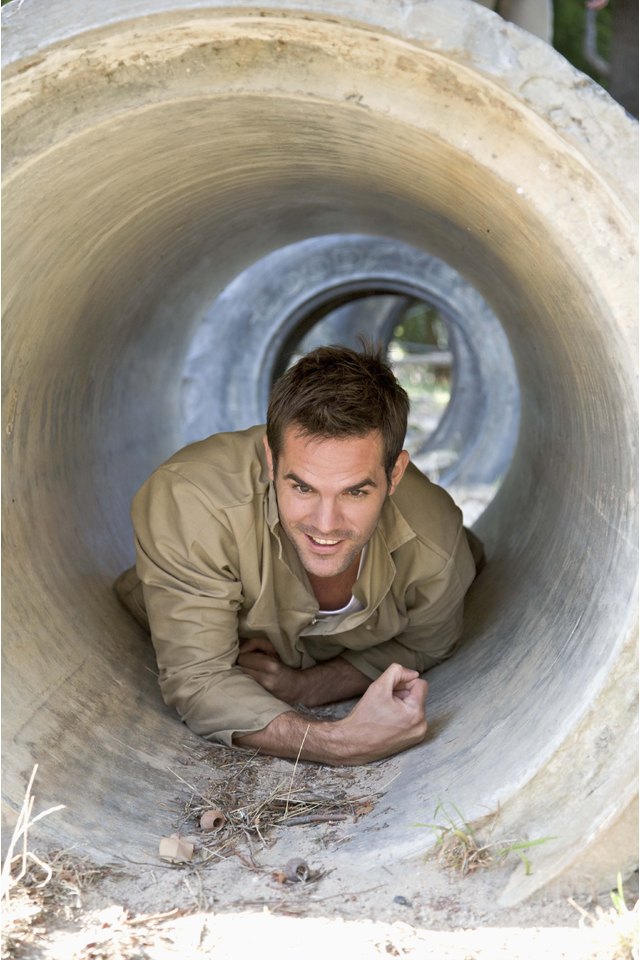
x,y
335,392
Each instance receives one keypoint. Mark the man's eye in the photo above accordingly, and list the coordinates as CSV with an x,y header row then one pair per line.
x,y
301,488
357,494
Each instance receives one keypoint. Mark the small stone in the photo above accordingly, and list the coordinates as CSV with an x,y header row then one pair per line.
x,y
402,901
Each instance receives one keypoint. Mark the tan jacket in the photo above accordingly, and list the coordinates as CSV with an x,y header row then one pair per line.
x,y
216,567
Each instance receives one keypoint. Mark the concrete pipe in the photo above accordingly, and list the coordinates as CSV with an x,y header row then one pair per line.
x,y
155,149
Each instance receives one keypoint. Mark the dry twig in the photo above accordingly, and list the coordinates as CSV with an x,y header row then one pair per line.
x,y
256,802
20,837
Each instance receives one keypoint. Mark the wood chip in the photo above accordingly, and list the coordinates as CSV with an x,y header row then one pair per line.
x,y
176,849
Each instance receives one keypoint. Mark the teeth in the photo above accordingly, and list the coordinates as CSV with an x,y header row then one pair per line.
x,y
325,543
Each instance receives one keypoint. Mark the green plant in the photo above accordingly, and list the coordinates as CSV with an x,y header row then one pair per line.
x,y
458,847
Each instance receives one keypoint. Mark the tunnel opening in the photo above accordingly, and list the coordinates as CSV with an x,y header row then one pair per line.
x,y
346,288
131,209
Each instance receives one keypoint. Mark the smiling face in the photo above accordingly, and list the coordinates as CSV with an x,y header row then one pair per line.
x,y
330,494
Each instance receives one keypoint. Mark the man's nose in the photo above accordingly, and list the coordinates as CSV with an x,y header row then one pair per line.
x,y
327,515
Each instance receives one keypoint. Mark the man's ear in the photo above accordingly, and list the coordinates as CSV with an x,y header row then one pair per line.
x,y
399,468
269,455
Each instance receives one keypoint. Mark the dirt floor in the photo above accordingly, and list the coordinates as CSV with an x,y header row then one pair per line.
x,y
264,880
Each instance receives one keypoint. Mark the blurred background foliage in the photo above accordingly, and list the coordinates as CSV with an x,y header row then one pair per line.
x,y
569,24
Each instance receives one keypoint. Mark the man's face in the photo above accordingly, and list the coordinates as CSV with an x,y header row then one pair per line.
x,y
330,495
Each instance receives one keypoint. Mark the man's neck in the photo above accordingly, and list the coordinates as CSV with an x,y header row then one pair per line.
x,y
333,593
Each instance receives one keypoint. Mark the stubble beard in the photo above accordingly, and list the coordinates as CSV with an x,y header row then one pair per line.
x,y
307,559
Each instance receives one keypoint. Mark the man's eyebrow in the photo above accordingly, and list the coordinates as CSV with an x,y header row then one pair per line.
x,y
297,479
367,482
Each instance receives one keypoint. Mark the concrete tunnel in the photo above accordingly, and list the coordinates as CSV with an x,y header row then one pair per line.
x,y
157,150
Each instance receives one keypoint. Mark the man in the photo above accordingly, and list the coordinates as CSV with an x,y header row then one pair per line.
x,y
302,565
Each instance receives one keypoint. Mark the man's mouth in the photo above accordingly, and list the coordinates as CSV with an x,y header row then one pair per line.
x,y
324,542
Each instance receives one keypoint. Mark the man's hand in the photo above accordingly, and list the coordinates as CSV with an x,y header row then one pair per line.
x,y
389,718
259,660
327,682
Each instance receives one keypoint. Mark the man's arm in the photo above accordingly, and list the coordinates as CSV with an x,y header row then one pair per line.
x,y
187,560
326,682
390,717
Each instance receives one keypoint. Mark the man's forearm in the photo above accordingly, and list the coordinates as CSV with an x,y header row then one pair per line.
x,y
331,681
326,682
390,717
292,735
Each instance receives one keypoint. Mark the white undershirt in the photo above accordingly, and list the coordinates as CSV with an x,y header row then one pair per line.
x,y
353,605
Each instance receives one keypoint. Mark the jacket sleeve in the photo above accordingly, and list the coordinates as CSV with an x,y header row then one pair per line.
x,y
187,560
434,613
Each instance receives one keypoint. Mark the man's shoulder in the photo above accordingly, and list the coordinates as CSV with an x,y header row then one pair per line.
x,y
228,468
429,511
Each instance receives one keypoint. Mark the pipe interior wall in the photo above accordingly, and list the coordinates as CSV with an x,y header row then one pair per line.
x,y
147,162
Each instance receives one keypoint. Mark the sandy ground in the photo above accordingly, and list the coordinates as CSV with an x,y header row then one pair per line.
x,y
268,884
